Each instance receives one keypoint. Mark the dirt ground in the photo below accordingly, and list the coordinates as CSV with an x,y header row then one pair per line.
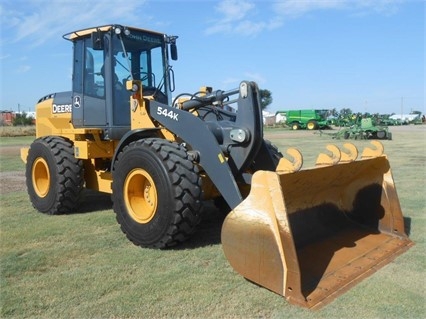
x,y
12,182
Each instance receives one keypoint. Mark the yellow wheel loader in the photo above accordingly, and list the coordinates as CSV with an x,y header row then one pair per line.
x,y
306,234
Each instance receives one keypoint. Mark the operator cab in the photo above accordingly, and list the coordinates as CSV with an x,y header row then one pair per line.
x,y
104,59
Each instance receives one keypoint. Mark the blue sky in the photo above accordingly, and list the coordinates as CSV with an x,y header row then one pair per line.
x,y
366,55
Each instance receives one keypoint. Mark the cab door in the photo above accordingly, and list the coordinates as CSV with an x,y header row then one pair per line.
x,y
89,102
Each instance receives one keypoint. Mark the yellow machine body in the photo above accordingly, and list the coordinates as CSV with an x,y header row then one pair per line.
x,y
309,235
96,151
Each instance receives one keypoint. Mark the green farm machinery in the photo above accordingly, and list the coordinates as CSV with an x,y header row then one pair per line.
x,y
365,129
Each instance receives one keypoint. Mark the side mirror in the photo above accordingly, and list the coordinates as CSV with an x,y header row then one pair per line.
x,y
97,40
173,51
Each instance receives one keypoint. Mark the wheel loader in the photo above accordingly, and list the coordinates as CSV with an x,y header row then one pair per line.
x,y
306,234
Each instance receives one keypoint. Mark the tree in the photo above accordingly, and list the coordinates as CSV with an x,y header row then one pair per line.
x,y
333,112
23,119
265,98
345,112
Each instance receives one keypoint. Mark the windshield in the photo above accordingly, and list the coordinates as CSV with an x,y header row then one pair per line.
x,y
145,60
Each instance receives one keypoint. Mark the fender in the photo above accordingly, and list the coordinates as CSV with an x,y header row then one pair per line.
x,y
132,136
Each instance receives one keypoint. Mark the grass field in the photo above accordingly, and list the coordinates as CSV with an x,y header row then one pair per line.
x,y
82,266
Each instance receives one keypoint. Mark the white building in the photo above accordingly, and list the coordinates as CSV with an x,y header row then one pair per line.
x,y
405,118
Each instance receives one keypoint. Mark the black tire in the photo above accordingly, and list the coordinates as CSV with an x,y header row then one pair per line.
x,y
381,135
54,177
156,193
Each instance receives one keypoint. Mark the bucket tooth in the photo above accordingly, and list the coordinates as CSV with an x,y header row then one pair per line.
x,y
376,151
288,166
350,154
325,159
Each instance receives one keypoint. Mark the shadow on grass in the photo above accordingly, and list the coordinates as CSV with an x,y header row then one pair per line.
x,y
208,231
93,201
407,225
206,234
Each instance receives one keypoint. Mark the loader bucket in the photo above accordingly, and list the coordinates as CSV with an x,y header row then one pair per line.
x,y
310,235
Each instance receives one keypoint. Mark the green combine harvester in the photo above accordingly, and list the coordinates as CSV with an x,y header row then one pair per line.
x,y
306,119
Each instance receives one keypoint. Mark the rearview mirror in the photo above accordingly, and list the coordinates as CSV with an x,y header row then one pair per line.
x,y
173,51
97,40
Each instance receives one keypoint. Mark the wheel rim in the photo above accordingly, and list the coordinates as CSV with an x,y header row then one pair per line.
x,y
41,177
140,195
311,126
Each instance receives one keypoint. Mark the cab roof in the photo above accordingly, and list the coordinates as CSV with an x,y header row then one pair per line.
x,y
71,36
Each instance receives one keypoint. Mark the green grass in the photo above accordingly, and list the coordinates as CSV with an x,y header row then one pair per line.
x,y
16,141
10,160
82,266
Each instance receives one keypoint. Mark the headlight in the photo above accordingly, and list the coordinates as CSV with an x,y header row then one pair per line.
x,y
135,87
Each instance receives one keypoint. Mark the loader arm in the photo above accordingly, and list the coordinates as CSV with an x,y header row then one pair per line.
x,y
240,141
241,137
194,132
240,134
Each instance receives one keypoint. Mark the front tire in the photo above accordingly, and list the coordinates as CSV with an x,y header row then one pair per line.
x,y
156,193
346,135
54,177
295,126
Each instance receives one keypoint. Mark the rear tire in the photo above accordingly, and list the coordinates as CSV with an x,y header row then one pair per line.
x,y
54,177
381,135
156,193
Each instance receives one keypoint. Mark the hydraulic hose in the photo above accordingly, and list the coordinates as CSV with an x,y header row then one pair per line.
x,y
201,101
